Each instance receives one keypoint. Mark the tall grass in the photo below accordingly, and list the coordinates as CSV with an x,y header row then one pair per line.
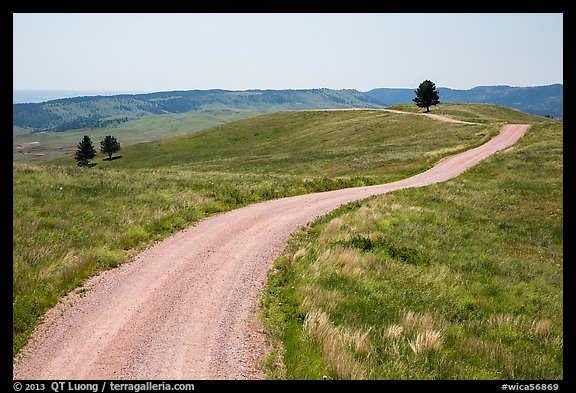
x,y
459,280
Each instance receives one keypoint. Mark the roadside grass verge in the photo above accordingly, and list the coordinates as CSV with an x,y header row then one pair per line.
x,y
458,280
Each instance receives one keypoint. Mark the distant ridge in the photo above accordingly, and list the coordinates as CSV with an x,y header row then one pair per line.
x,y
25,96
537,100
101,111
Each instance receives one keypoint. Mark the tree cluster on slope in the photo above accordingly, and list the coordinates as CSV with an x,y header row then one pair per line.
x,y
86,150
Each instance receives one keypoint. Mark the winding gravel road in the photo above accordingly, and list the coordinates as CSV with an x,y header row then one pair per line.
x,y
184,308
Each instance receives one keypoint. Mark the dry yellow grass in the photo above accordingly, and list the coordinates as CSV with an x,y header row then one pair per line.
x,y
394,331
542,327
317,297
333,230
339,345
421,321
426,341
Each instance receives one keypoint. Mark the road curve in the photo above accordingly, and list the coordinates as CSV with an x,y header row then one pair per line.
x,y
430,115
184,308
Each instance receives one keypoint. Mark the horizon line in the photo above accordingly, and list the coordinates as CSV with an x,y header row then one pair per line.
x,y
123,91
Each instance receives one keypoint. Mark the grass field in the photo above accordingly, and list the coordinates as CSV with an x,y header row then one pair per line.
x,y
45,146
458,280
71,222
310,143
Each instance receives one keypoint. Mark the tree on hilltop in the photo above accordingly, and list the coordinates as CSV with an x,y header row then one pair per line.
x,y
426,95
85,151
109,146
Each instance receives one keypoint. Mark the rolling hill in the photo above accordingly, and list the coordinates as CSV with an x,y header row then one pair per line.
x,y
311,142
537,100
103,111
30,146
70,222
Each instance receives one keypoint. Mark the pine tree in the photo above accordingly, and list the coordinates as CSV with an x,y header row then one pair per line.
x,y
85,151
426,95
109,145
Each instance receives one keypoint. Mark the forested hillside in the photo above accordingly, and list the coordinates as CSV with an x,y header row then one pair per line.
x,y
102,111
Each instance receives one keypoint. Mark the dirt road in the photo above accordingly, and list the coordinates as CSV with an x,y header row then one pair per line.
x,y
430,115
183,309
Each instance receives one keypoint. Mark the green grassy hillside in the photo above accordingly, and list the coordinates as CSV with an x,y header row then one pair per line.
x,y
70,222
371,143
30,146
458,280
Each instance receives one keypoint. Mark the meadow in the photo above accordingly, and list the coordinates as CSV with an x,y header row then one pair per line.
x,y
71,222
457,280
30,146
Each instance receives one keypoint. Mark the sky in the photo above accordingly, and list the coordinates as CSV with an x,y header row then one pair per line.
x,y
148,52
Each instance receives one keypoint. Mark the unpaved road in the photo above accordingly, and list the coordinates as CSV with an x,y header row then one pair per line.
x,y
430,115
184,309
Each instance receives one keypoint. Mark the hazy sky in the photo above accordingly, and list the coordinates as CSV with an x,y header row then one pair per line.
x,y
158,52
